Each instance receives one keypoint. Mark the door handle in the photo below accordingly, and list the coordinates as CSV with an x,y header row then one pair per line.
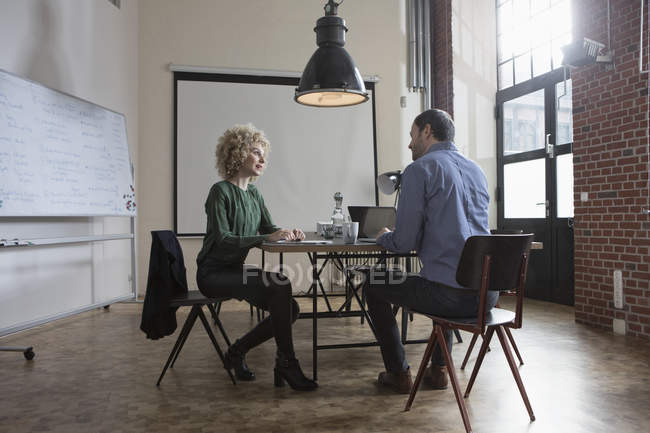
x,y
545,204
549,147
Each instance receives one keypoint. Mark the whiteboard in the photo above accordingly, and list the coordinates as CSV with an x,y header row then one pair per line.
x,y
315,152
60,155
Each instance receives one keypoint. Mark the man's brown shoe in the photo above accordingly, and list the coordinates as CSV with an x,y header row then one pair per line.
x,y
435,377
400,382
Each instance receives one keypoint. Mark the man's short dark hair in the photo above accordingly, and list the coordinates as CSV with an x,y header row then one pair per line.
x,y
441,124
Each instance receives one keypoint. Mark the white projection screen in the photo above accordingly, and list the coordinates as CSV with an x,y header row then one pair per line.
x,y
315,152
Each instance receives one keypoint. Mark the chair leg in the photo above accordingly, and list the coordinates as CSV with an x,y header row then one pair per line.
x,y
206,325
185,332
363,301
405,324
479,360
459,339
454,380
469,350
173,354
215,316
514,346
515,370
423,365
251,305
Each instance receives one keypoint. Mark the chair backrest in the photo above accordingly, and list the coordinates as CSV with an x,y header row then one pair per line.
x,y
506,255
168,242
167,279
495,262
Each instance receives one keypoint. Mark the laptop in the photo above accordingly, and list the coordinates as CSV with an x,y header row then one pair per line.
x,y
371,219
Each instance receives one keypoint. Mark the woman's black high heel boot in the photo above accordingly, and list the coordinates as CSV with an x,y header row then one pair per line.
x,y
235,359
288,369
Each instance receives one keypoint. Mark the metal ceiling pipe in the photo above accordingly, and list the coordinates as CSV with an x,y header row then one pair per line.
x,y
420,39
421,45
426,12
418,46
412,72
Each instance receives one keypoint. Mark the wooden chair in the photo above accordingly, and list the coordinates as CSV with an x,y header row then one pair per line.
x,y
503,293
495,262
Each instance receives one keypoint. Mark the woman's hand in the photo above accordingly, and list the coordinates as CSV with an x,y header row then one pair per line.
x,y
298,234
281,235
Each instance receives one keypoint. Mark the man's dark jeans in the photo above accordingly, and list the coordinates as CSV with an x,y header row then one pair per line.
x,y
416,293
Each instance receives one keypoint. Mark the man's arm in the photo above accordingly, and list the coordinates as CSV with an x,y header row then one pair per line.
x,y
410,213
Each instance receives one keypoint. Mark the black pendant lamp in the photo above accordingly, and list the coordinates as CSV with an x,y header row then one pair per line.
x,y
331,79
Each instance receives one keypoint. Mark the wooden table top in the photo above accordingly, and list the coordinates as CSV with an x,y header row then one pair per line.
x,y
333,245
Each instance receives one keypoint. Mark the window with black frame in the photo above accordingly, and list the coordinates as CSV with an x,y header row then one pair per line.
x,y
535,134
529,36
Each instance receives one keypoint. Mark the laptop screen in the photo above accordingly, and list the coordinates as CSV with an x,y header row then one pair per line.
x,y
371,219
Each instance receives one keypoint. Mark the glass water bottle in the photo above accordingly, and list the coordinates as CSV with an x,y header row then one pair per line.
x,y
337,215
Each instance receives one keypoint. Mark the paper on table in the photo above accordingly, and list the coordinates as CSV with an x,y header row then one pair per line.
x,y
302,242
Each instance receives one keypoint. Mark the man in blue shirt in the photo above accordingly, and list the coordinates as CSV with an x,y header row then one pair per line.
x,y
443,201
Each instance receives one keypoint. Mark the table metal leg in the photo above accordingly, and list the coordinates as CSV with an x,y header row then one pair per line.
x,y
314,294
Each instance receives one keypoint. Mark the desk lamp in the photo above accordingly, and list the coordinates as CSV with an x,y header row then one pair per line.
x,y
389,183
331,78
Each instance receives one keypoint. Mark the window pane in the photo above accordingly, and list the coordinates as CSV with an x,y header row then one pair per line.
x,y
541,60
522,68
504,42
557,52
504,17
521,39
538,5
541,29
561,18
524,185
523,120
525,28
505,75
521,11
564,132
565,186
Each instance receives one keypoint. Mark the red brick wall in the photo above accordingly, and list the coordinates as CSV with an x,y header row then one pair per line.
x,y
610,130
442,57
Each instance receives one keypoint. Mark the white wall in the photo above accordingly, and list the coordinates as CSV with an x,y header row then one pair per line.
x,y
475,86
88,49
257,34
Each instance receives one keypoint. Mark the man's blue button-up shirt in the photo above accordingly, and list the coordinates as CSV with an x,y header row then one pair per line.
x,y
443,201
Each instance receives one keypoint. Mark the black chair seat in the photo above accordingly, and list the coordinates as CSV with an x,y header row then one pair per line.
x,y
193,297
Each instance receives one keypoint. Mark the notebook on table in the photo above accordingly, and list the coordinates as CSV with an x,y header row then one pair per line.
x,y
371,219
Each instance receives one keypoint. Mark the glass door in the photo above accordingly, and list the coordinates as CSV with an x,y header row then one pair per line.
x,y
535,177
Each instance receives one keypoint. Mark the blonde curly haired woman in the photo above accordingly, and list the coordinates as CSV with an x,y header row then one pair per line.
x,y
237,221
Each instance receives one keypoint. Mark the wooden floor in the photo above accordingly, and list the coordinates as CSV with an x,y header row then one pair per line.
x,y
96,372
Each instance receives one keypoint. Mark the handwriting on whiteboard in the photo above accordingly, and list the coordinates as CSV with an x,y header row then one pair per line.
x,y
60,155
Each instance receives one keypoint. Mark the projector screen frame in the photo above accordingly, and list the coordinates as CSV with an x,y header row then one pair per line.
x,y
254,77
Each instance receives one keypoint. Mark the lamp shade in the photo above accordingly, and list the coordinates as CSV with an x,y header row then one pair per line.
x,y
331,78
389,182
